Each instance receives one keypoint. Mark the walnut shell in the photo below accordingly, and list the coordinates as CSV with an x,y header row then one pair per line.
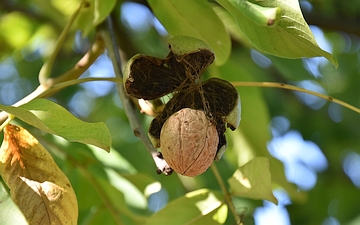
x,y
189,142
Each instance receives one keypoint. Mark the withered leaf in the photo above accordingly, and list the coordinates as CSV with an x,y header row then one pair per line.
x,y
37,185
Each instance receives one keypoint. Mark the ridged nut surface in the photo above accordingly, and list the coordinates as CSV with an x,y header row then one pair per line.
x,y
189,142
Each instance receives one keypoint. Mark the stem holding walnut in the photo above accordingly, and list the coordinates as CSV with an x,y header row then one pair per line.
x,y
227,195
107,32
80,67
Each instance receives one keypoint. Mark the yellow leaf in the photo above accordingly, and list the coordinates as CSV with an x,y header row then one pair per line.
x,y
37,185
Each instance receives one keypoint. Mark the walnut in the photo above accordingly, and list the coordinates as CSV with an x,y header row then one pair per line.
x,y
179,73
189,142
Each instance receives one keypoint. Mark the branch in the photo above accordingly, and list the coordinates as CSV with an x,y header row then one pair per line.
x,y
126,44
294,88
93,53
45,70
107,32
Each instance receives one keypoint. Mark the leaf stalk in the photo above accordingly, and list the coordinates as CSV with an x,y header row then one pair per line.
x,y
295,88
227,195
10,117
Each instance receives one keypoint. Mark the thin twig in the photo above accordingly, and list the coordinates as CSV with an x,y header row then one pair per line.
x,y
57,87
7,121
294,88
85,62
228,199
107,33
45,70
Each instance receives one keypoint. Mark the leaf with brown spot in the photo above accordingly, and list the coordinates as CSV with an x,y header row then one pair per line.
x,y
37,185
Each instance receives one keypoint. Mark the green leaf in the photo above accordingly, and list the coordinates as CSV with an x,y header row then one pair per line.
x,y
101,189
133,196
143,182
113,159
291,69
255,120
54,119
196,19
198,207
264,16
10,214
253,180
16,29
185,45
232,26
117,201
290,38
93,13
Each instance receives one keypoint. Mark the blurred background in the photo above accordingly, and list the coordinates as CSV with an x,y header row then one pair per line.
x,y
318,142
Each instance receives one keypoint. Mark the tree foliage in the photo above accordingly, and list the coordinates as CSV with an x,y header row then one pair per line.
x,y
77,149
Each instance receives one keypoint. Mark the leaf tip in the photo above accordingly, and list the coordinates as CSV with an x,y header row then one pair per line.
x,y
335,62
273,199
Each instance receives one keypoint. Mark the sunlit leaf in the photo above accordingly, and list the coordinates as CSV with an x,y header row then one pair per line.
x,y
66,7
133,196
198,207
113,159
16,29
263,16
37,185
116,201
52,118
51,12
253,180
290,38
196,19
101,202
232,26
255,120
144,183
93,13
9,212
